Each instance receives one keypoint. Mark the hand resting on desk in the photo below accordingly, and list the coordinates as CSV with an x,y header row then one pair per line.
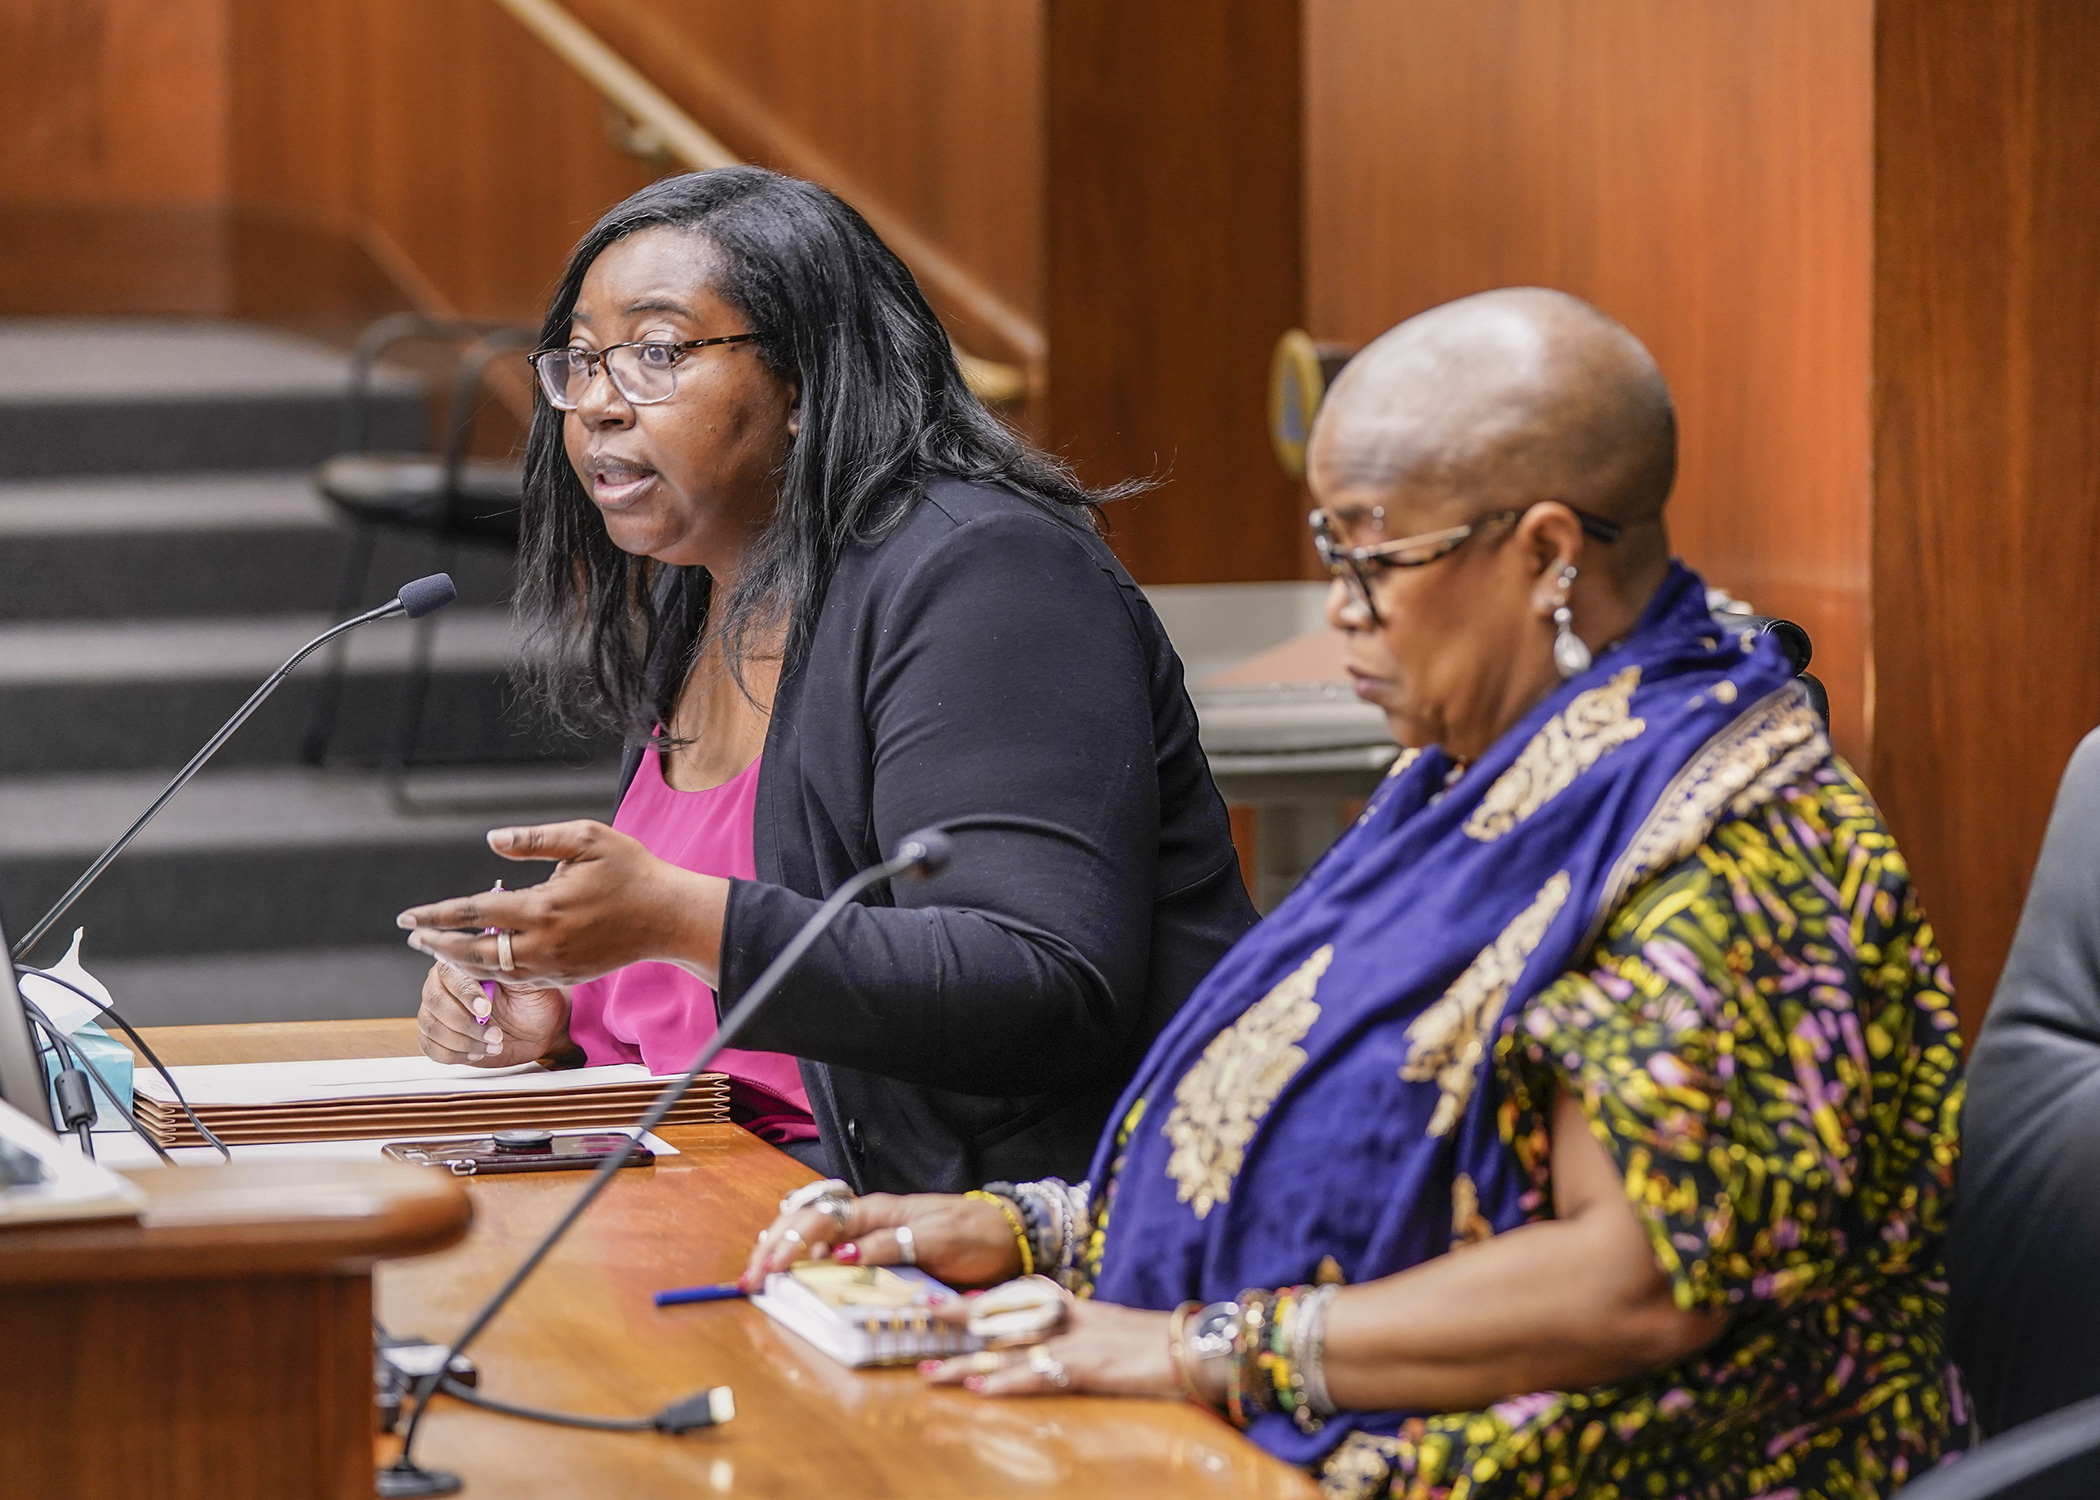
x,y
962,1241
968,1242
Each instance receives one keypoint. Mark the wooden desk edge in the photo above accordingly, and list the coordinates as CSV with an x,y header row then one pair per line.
x,y
354,1214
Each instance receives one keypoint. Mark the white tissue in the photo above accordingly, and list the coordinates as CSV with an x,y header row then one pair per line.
x,y
68,1012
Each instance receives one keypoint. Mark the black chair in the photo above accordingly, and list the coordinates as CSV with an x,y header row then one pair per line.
x,y
1799,651
447,496
2050,1458
2023,1259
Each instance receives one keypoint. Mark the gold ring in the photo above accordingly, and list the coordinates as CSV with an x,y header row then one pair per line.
x,y
987,1362
503,954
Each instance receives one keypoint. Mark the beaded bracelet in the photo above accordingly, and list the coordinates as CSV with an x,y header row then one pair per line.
x,y
1040,1215
1246,1396
1051,1256
1014,1222
1079,1204
1033,1201
1299,1328
1272,1361
1057,1215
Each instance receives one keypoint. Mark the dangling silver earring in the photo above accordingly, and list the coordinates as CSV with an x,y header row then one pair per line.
x,y
1570,656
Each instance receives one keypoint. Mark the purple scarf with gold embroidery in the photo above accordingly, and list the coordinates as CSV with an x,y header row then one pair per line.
x,y
1325,1091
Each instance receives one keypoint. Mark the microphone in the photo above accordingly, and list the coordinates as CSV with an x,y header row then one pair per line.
x,y
423,596
918,855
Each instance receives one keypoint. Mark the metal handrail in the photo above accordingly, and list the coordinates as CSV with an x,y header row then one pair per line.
x,y
660,127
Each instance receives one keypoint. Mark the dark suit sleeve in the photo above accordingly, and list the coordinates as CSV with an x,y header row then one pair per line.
x,y
1006,683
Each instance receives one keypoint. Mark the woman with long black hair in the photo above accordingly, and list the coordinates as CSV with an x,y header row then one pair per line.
x,y
828,598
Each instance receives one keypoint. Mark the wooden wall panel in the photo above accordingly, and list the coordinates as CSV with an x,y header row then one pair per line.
x,y
1174,178
1702,173
925,114
439,124
113,101
1987,444
112,260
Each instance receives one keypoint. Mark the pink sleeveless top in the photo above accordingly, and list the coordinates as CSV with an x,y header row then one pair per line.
x,y
659,1014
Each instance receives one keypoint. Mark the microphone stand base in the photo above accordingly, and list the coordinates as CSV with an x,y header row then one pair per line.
x,y
406,1479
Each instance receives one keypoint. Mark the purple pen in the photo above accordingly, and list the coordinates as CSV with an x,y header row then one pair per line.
x,y
488,986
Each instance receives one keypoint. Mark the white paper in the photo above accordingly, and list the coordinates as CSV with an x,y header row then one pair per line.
x,y
374,1077
128,1150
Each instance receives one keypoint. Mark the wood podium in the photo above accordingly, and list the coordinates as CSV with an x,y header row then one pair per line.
x,y
219,1347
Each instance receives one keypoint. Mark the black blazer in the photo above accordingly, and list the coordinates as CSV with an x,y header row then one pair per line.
x,y
985,657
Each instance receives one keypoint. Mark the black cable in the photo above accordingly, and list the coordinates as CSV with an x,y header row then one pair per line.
x,y
63,1042
472,1397
145,1051
459,1391
61,1064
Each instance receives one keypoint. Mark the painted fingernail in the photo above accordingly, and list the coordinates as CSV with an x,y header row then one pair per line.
x,y
846,1254
974,1383
929,1367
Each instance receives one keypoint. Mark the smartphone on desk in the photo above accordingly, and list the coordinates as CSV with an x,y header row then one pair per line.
x,y
515,1151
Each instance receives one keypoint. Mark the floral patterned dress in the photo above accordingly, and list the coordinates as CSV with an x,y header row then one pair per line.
x,y
1764,1039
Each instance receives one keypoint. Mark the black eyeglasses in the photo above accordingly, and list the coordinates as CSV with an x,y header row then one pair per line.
x,y
1356,566
645,372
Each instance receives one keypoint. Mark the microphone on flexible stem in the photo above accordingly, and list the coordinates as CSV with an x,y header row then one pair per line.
x,y
918,855
423,596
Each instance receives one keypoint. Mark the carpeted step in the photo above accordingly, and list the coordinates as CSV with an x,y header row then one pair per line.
x,y
150,546
246,861
109,396
128,694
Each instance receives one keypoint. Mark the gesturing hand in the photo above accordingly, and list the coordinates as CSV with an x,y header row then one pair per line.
x,y
523,1022
609,903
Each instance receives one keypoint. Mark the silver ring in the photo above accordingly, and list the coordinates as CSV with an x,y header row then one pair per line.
x,y
796,1236
807,1195
839,1209
1045,1364
503,954
907,1248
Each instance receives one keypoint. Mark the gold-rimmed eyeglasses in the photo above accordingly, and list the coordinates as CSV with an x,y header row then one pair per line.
x,y
644,372
1357,566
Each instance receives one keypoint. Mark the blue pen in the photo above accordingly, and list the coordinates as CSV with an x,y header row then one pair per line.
x,y
720,1291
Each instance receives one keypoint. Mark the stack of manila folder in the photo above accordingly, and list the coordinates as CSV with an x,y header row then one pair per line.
x,y
376,1098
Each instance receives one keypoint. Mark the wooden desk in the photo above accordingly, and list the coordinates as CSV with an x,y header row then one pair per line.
x,y
224,1351
583,1336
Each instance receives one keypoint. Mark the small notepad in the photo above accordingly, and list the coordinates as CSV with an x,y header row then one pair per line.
x,y
865,1315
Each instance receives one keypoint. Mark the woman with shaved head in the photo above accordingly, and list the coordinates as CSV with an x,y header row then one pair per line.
x,y
1585,1123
